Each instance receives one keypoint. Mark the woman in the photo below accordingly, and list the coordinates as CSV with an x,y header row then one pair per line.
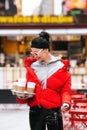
x,y
52,90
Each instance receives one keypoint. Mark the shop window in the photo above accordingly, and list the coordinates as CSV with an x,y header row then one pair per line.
x,y
60,45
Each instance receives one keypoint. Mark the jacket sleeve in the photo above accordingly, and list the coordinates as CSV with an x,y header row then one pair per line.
x,y
29,101
32,77
30,74
21,101
66,91
29,61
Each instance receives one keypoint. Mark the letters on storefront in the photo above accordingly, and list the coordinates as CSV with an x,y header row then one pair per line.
x,y
35,19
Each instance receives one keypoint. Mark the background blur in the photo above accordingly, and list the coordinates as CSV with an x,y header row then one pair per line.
x,y
22,20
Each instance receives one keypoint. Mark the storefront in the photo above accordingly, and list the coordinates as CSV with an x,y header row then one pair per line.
x,y
62,28
67,32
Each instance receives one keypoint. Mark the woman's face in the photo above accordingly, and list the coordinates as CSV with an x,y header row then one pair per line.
x,y
40,54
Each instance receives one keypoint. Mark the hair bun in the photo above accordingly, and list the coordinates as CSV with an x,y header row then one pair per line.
x,y
40,42
45,35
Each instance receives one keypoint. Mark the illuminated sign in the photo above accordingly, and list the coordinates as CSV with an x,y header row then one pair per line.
x,y
75,6
36,19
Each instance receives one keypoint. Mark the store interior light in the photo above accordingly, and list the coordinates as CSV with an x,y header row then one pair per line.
x,y
7,32
56,31
25,32
30,31
12,32
77,31
68,31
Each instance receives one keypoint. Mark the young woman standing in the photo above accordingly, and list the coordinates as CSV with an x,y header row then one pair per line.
x,y
53,86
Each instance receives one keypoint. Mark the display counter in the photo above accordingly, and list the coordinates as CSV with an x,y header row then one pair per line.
x,y
7,76
6,96
10,74
79,77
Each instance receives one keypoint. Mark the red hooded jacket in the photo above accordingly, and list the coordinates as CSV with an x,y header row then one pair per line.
x,y
58,89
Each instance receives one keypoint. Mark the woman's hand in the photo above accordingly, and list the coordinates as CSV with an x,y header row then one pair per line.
x,y
24,96
66,106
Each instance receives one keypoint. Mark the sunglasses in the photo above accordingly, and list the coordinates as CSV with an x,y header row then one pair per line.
x,y
37,53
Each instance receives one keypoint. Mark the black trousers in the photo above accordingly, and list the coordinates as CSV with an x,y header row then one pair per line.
x,y
40,118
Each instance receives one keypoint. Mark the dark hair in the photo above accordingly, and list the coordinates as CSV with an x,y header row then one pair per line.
x,y
45,35
40,42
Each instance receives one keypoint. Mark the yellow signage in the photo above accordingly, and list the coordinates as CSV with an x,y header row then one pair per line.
x,y
36,19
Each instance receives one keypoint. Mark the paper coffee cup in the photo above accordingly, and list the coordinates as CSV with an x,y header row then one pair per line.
x,y
30,87
15,86
21,85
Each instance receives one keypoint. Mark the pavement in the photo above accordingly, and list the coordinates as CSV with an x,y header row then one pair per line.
x,y
11,119
16,117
